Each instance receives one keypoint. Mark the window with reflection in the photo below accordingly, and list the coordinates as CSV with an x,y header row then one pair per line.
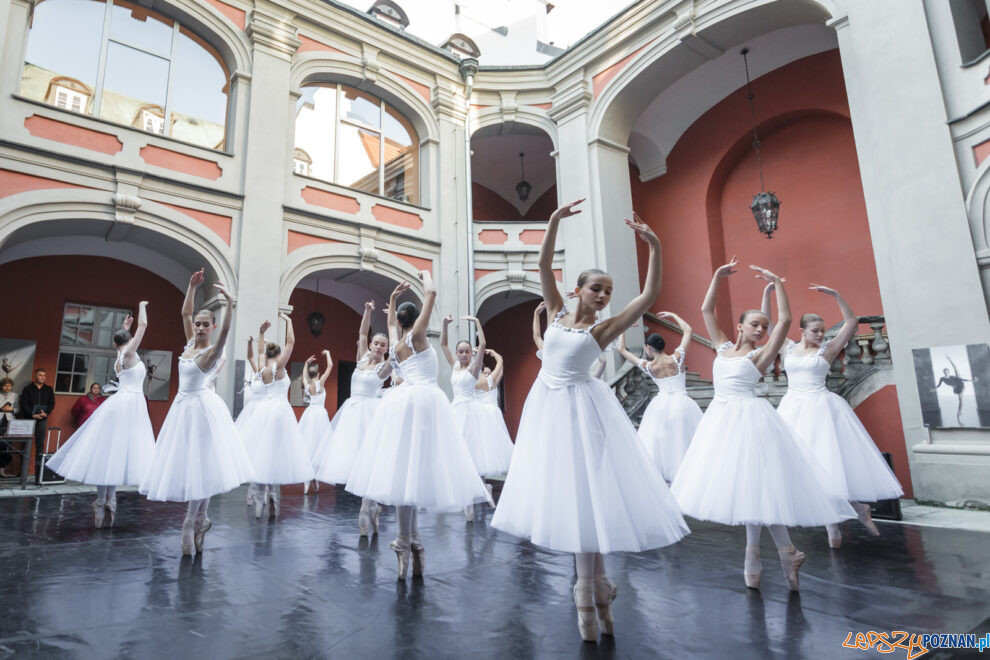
x,y
124,63
351,138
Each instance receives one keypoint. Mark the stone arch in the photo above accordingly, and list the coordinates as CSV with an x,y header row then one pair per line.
x,y
978,209
217,29
506,283
493,116
322,67
661,63
69,221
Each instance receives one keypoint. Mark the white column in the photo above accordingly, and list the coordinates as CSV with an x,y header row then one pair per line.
x,y
927,269
260,249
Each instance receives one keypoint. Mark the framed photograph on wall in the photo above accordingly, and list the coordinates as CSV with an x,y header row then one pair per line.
x,y
159,366
17,361
954,385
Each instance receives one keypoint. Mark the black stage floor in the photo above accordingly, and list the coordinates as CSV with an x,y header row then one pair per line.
x,y
306,587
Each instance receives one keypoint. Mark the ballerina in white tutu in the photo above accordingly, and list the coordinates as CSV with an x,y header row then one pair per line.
x,y
581,480
315,422
337,452
671,418
251,392
827,429
486,391
271,434
488,450
412,455
198,453
115,445
744,466
598,368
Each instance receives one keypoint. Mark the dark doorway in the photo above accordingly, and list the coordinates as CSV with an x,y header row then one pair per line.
x,y
345,368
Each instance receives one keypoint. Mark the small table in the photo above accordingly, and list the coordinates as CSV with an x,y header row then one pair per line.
x,y
7,443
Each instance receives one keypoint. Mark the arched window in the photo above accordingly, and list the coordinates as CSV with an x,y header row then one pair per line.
x,y
121,62
357,140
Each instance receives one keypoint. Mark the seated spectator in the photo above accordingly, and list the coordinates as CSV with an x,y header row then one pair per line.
x,y
8,410
87,403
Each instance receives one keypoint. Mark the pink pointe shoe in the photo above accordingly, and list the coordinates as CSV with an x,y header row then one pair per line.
x,y
605,593
866,517
203,525
418,557
752,567
188,537
834,536
99,510
790,561
584,600
402,554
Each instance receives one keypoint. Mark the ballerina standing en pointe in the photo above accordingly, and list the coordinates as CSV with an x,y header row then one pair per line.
x,y
581,480
672,417
486,389
744,466
198,453
115,445
412,455
314,425
271,435
826,427
338,449
252,391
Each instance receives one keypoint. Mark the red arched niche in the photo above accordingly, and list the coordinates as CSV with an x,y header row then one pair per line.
x,y
508,333
700,207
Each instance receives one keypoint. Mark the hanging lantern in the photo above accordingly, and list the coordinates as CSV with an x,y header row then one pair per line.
x,y
765,206
523,188
315,320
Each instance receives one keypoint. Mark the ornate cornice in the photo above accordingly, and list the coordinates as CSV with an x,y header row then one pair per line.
x,y
273,34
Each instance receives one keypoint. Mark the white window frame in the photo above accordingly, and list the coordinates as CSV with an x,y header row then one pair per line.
x,y
92,351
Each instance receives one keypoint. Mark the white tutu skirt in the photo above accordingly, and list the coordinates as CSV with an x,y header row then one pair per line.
x,y
113,447
413,455
314,426
198,454
487,441
336,454
276,448
830,433
581,480
744,467
667,428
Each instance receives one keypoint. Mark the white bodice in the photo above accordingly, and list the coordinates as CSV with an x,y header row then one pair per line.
x,y
132,379
805,373
462,383
419,368
366,383
318,399
277,389
567,355
734,377
669,384
192,379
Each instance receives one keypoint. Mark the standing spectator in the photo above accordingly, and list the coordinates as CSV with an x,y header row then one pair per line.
x,y
37,402
87,403
8,409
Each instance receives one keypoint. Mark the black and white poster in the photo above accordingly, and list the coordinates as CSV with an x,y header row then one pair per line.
x,y
954,385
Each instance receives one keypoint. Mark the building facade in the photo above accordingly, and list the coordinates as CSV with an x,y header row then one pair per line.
x,y
313,156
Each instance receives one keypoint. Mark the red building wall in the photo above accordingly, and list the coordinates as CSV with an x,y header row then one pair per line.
x,y
700,208
38,288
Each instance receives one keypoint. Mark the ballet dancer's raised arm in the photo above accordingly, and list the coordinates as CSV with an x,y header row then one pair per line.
x,y
392,321
766,356
548,283
445,339
627,354
262,346
131,348
474,368
189,303
537,328
499,369
850,323
765,305
207,360
607,331
687,332
305,374
708,306
290,342
250,356
419,340
362,347
326,372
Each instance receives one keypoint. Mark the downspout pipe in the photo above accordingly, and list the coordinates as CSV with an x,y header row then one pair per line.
x,y
468,69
